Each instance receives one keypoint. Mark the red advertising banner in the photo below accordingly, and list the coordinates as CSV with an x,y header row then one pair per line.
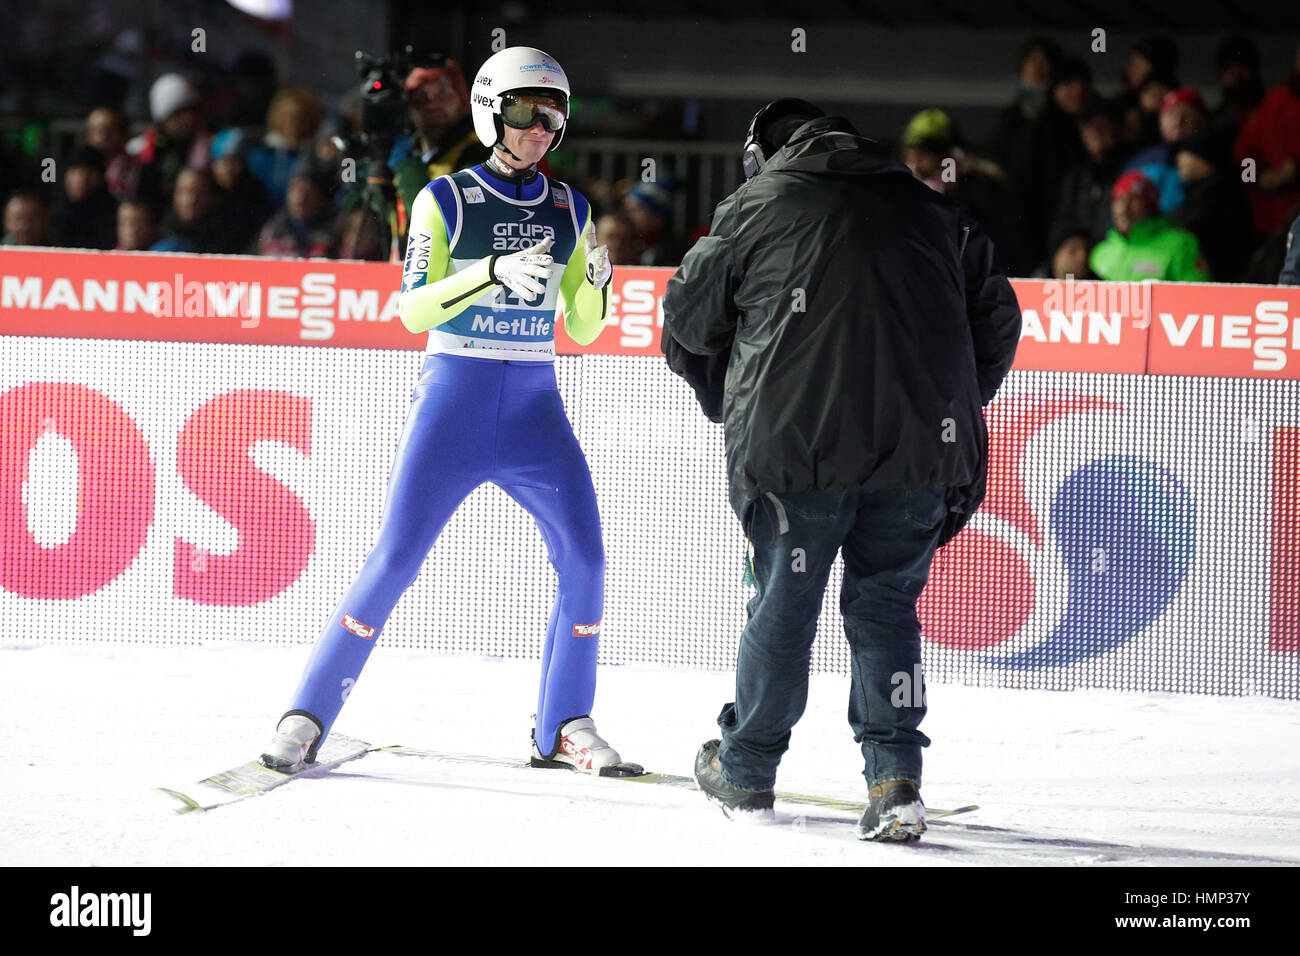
x,y
249,300
243,300
1082,326
1230,331
1128,328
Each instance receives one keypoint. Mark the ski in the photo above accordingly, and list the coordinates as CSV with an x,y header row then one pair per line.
x,y
663,779
251,779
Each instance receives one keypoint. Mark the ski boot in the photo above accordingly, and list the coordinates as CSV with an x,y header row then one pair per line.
x,y
578,747
294,745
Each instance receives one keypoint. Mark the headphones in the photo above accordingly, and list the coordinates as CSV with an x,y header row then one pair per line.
x,y
753,159
756,153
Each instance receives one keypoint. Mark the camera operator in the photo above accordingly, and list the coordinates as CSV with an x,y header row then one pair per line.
x,y
444,140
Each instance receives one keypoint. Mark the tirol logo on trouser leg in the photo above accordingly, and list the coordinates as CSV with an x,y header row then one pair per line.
x,y
586,630
356,627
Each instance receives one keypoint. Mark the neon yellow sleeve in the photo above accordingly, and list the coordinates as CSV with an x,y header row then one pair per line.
x,y
584,307
443,296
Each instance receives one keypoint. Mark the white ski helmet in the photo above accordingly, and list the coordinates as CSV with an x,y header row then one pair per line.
x,y
516,69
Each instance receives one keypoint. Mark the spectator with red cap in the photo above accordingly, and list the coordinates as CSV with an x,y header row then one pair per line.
x,y
1271,138
1143,245
444,140
1182,113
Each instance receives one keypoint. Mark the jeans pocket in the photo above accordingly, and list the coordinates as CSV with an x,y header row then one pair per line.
x,y
925,508
815,506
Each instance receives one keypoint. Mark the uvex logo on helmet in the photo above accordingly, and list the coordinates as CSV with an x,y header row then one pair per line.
x,y
514,70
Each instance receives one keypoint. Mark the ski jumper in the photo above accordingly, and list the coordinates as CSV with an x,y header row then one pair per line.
x,y
486,408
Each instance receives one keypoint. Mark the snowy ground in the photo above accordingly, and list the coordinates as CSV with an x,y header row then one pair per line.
x,y
1086,777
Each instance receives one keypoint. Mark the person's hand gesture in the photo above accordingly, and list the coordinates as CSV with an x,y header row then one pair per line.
x,y
520,272
599,271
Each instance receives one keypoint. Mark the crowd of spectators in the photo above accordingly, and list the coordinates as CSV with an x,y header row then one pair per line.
x,y
1152,183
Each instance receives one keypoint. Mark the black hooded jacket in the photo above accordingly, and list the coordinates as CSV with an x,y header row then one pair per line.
x,y
847,323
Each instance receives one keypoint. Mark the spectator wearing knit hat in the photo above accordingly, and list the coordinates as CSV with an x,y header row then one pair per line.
x,y
444,140
178,138
85,215
1143,245
930,141
650,207
1214,207
243,195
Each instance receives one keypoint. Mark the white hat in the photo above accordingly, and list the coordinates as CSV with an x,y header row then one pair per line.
x,y
169,93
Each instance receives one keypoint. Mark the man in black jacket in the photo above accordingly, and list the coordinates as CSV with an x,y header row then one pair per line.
x,y
847,323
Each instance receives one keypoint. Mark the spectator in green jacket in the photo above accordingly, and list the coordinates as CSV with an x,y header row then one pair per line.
x,y
1144,245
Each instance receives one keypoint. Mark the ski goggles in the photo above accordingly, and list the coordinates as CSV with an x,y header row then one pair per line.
x,y
522,110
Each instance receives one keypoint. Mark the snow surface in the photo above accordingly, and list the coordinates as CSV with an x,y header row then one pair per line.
x,y
1084,777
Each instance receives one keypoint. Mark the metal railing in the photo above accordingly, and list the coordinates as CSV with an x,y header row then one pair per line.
x,y
706,172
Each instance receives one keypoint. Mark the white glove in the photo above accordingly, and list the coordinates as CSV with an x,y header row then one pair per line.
x,y
520,271
599,270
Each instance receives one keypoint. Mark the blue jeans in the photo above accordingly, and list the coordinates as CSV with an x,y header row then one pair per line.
x,y
889,539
